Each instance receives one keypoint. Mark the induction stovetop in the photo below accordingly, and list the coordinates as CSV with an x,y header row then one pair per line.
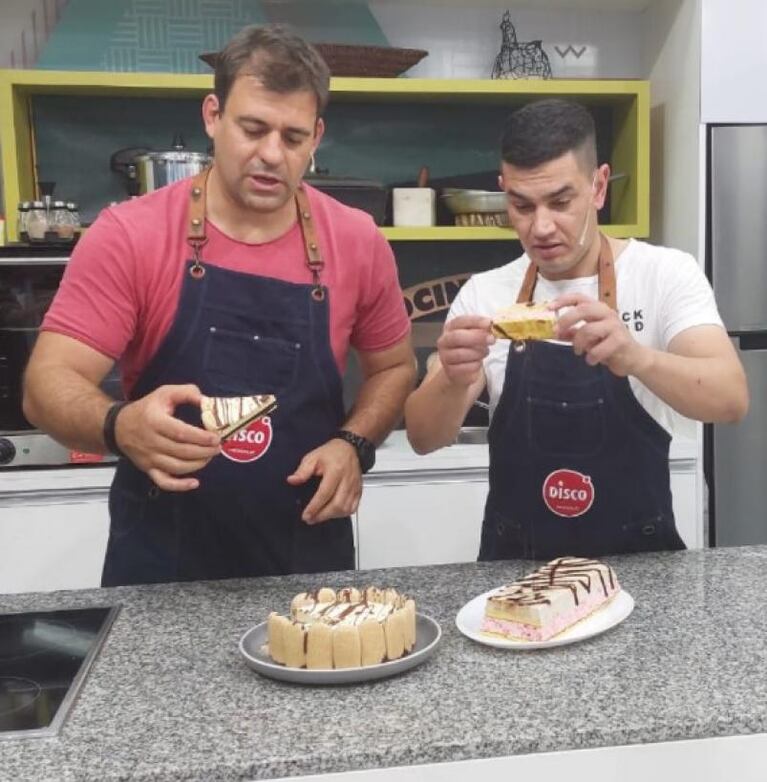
x,y
44,658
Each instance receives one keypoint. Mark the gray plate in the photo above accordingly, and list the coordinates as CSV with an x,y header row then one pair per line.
x,y
427,637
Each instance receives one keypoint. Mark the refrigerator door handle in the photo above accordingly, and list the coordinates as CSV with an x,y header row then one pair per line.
x,y
755,341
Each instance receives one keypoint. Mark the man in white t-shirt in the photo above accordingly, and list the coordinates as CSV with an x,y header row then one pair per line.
x,y
579,433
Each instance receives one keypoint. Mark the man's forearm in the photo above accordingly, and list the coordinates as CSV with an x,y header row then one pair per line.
x,y
70,408
435,411
712,390
379,402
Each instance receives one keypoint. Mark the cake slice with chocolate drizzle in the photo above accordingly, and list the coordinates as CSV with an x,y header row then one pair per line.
x,y
226,415
549,600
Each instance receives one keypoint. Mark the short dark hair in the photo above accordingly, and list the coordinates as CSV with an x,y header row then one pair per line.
x,y
547,129
276,55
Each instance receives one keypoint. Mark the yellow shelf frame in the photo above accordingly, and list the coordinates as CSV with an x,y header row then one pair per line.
x,y
448,233
630,98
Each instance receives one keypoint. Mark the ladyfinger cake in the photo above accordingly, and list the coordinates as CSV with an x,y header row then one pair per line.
x,y
525,321
551,599
227,414
345,629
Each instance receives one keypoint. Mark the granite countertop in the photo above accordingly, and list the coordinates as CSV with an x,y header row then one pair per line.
x,y
169,698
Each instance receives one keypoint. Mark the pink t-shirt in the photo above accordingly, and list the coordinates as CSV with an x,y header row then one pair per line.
x,y
120,291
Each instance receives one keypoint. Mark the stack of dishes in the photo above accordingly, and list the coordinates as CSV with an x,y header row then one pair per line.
x,y
476,207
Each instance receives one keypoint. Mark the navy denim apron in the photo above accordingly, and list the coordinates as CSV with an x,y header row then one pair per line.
x,y
577,466
238,334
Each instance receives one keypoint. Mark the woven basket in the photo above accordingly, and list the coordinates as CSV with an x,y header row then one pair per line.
x,y
357,60
374,61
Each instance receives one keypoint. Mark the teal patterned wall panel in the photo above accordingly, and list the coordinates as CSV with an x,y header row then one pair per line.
x,y
168,35
145,35
81,39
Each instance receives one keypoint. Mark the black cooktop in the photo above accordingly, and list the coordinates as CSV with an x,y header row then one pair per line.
x,y
44,658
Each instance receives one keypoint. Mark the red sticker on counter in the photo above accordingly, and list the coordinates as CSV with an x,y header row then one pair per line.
x,y
568,493
81,457
250,443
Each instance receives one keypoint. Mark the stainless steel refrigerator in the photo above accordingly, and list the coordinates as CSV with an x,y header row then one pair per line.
x,y
736,455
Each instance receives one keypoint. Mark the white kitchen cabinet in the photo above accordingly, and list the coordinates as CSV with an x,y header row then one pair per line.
x,y
45,546
421,518
684,495
434,518
414,511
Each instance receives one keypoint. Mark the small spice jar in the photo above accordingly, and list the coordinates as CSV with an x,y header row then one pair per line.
x,y
22,217
74,214
37,222
61,222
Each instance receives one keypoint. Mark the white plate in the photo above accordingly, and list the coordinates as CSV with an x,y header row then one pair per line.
x,y
427,636
469,620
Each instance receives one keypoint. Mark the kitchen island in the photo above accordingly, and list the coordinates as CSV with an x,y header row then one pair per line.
x,y
169,698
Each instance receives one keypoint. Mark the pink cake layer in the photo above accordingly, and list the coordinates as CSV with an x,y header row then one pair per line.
x,y
519,631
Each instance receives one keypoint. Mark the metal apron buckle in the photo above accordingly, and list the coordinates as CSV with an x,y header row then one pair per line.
x,y
318,292
197,270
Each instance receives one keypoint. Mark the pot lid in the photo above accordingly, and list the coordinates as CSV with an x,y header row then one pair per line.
x,y
174,156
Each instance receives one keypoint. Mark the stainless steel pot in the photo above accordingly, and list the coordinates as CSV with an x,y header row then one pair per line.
x,y
146,169
156,169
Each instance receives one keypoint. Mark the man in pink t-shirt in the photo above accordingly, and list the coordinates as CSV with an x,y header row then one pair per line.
x,y
239,282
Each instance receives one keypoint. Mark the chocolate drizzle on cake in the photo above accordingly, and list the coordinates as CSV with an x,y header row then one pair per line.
x,y
226,415
348,606
344,629
499,328
565,573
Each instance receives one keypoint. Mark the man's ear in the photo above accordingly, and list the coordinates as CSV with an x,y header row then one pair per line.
x,y
602,179
319,131
500,182
210,113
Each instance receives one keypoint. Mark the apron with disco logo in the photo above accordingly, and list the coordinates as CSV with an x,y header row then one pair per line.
x,y
237,334
577,466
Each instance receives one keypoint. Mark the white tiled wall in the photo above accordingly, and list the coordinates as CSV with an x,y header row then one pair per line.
x,y
733,62
463,41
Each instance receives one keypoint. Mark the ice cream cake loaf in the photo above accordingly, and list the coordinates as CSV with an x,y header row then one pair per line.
x,y
349,628
549,600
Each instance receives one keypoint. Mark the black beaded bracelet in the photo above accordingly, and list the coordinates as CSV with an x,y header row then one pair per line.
x,y
109,428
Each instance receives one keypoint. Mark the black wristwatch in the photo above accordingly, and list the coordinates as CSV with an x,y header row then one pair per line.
x,y
366,451
109,428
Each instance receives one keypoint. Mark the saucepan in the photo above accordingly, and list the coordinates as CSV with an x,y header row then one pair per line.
x,y
148,169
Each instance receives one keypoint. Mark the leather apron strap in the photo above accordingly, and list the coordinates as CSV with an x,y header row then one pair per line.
x,y
312,246
605,273
196,236
195,232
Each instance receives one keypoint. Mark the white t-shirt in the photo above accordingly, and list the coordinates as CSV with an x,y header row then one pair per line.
x,y
661,292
